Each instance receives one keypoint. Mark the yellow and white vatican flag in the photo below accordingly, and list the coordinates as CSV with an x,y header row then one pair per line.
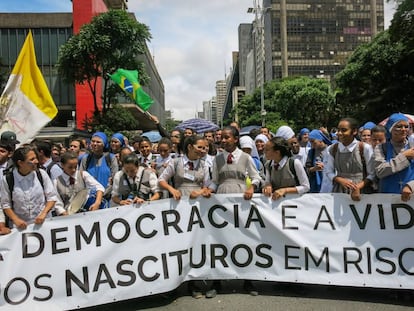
x,y
26,105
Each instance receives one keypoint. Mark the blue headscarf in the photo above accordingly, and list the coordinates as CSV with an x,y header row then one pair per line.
x,y
319,135
119,137
393,120
102,136
303,131
369,125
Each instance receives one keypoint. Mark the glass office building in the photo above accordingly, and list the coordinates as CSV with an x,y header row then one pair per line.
x,y
49,31
315,37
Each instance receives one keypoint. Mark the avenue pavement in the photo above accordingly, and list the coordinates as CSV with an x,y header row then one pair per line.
x,y
273,296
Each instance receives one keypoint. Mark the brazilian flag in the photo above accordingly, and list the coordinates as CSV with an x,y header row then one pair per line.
x,y
128,80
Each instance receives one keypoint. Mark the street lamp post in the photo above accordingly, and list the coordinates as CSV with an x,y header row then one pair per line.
x,y
259,29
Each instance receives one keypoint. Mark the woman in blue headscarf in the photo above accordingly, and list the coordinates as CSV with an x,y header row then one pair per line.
x,y
117,143
394,160
314,163
101,164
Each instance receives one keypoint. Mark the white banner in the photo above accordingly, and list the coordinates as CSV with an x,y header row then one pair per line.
x,y
126,252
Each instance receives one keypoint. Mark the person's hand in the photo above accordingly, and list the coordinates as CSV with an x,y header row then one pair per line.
x,y
356,195
206,192
176,194
409,153
94,207
138,200
40,219
319,166
406,193
3,229
195,193
346,183
21,224
155,119
279,193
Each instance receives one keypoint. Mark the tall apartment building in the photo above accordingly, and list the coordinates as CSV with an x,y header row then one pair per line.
x,y
306,37
221,92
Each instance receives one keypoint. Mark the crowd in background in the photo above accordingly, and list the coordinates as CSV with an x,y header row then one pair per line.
x,y
45,179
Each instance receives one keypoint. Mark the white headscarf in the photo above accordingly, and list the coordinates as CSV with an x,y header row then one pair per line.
x,y
285,131
247,142
261,137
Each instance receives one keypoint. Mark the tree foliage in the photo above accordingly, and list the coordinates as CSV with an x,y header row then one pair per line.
x,y
112,40
379,76
116,119
298,102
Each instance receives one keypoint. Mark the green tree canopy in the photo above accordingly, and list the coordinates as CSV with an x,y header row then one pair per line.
x,y
298,102
379,77
112,40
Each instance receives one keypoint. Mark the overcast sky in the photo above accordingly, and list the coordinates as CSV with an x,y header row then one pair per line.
x,y
191,42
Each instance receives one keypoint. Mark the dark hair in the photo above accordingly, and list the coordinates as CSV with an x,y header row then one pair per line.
x,y
136,139
234,131
67,156
191,129
191,140
145,139
131,159
281,144
212,150
45,147
20,154
165,141
353,123
80,141
379,129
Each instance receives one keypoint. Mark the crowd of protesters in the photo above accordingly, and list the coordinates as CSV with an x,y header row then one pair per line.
x,y
42,179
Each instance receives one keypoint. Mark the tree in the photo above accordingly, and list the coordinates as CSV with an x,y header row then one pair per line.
x,y
379,76
112,40
116,119
298,102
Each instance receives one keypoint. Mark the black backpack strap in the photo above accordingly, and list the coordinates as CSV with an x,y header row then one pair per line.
x,y
293,170
10,184
334,150
88,161
364,164
108,159
40,177
51,165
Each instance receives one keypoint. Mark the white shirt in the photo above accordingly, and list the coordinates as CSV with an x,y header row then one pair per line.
x,y
55,170
29,198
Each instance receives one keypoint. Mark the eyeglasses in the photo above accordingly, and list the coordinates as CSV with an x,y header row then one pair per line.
x,y
401,127
176,136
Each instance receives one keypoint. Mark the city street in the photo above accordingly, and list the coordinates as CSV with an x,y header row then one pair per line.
x,y
273,296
